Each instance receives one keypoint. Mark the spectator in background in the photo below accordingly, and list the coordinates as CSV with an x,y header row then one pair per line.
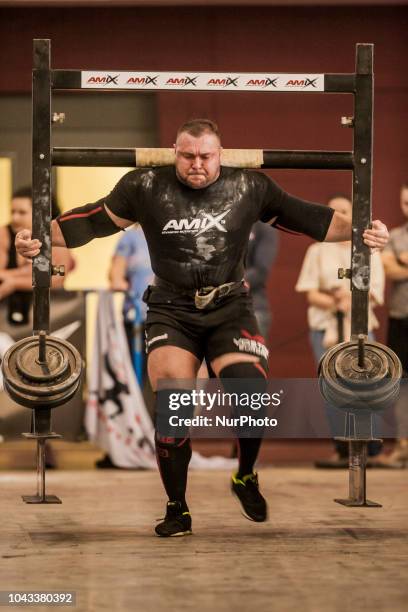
x,y
395,260
327,296
131,272
15,271
262,250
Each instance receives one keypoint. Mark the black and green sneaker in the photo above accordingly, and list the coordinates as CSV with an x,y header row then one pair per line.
x,y
252,503
175,523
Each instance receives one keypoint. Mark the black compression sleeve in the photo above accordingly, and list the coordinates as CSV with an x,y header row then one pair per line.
x,y
304,217
83,224
292,213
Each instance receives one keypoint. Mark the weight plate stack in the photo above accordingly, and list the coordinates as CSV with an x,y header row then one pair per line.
x,y
48,382
347,385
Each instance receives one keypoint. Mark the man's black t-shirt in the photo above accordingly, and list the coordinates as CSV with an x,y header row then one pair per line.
x,y
199,237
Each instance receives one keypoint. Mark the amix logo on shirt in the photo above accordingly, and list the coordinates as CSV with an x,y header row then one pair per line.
x,y
196,226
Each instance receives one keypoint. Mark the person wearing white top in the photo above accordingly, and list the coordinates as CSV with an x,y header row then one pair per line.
x,y
329,300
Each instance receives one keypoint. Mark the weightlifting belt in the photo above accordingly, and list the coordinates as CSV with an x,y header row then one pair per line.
x,y
204,297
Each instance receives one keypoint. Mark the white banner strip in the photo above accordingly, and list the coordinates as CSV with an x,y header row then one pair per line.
x,y
202,81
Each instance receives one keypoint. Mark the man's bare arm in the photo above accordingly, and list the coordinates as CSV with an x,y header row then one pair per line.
x,y
122,223
4,247
29,248
117,273
10,284
340,230
321,299
394,270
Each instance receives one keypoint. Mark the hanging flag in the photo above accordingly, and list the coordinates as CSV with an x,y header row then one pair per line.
x,y
5,342
116,417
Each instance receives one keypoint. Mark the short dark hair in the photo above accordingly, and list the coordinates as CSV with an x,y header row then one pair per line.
x,y
404,185
27,192
197,127
340,195
23,192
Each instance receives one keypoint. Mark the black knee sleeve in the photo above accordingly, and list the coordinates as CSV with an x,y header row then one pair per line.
x,y
172,407
246,379
244,369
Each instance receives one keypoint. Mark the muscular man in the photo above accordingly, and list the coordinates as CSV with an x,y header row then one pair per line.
x,y
197,217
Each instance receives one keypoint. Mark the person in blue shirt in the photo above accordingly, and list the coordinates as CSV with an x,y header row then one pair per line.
x,y
131,272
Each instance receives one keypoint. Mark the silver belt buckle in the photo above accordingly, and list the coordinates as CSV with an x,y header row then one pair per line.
x,y
204,296
208,295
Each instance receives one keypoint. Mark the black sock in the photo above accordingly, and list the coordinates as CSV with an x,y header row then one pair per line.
x,y
239,377
173,444
248,453
173,460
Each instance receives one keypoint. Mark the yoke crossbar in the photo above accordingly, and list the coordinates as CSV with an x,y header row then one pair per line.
x,y
236,158
359,160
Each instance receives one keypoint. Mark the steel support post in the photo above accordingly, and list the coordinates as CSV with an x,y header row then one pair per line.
x,y
41,176
357,476
362,185
41,432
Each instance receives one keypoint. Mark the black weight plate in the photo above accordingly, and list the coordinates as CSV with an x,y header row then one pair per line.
x,y
356,394
31,401
376,366
47,389
44,387
27,362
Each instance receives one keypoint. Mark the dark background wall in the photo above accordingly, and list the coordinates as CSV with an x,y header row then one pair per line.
x,y
104,121
308,39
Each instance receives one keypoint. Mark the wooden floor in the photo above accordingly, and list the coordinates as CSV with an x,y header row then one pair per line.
x,y
312,555
21,454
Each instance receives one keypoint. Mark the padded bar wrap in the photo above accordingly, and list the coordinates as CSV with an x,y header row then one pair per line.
x,y
154,157
242,158
234,158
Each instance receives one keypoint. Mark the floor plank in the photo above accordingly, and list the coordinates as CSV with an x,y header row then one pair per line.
x,y
311,555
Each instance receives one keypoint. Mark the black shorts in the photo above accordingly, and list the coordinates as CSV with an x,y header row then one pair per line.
x,y
229,327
